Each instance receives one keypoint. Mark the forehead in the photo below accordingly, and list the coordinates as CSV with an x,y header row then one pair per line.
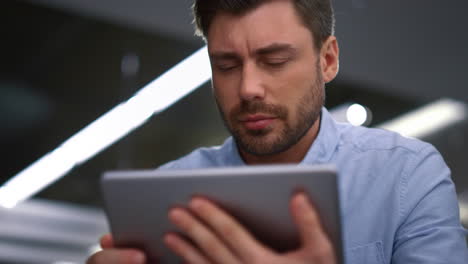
x,y
271,22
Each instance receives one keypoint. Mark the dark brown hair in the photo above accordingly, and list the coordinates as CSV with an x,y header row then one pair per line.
x,y
317,15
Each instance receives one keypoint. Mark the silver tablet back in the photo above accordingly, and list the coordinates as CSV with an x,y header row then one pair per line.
x,y
137,202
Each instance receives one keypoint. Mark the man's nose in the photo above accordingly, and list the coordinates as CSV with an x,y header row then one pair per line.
x,y
251,87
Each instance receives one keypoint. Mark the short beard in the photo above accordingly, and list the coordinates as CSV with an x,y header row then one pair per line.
x,y
253,142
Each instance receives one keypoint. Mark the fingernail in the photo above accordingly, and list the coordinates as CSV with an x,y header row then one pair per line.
x,y
302,199
168,239
174,215
139,258
196,203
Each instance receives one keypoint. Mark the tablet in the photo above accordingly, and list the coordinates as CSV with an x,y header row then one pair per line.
x,y
137,203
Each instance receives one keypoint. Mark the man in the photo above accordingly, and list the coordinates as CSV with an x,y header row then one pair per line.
x,y
270,62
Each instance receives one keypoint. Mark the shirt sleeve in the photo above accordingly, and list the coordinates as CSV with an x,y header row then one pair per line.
x,y
429,230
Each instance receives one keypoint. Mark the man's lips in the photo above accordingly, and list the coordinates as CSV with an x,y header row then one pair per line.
x,y
257,121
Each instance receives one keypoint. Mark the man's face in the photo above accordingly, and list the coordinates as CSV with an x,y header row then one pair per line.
x,y
267,79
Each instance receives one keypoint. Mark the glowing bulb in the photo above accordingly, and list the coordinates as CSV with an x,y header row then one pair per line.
x,y
356,114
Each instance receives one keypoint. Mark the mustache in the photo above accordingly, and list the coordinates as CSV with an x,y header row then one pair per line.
x,y
256,107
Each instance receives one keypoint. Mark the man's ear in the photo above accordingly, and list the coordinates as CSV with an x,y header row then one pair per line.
x,y
329,59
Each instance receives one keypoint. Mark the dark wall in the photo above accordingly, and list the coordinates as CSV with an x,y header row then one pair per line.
x,y
413,48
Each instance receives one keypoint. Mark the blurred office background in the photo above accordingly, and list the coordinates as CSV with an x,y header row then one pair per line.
x,y
65,63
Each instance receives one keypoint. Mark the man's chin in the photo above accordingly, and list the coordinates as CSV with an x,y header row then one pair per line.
x,y
257,134
259,145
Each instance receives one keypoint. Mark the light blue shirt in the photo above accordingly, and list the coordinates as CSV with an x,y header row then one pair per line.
x,y
398,201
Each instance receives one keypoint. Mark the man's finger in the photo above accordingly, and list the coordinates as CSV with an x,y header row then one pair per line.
x,y
106,241
203,237
118,256
227,228
307,221
185,250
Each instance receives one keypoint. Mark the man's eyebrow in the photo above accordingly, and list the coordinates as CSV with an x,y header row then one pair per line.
x,y
276,47
223,55
272,48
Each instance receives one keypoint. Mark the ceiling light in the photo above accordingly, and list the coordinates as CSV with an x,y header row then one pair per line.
x,y
356,114
428,119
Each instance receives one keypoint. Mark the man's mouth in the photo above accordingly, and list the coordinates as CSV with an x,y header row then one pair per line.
x,y
257,121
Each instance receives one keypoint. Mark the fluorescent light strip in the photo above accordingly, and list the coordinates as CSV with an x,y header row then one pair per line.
x,y
155,97
428,119
463,203
463,213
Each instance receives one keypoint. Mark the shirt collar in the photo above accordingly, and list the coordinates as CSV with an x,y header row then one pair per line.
x,y
326,141
321,151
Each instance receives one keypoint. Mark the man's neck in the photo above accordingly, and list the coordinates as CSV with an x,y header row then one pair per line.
x,y
294,154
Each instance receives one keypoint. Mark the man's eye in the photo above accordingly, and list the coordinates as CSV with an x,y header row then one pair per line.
x,y
276,62
226,67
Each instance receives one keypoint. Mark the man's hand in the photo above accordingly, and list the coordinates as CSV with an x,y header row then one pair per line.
x,y
221,239
110,254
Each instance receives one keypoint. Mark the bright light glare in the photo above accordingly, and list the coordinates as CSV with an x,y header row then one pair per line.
x,y
428,119
155,97
356,114
94,249
463,203
463,212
